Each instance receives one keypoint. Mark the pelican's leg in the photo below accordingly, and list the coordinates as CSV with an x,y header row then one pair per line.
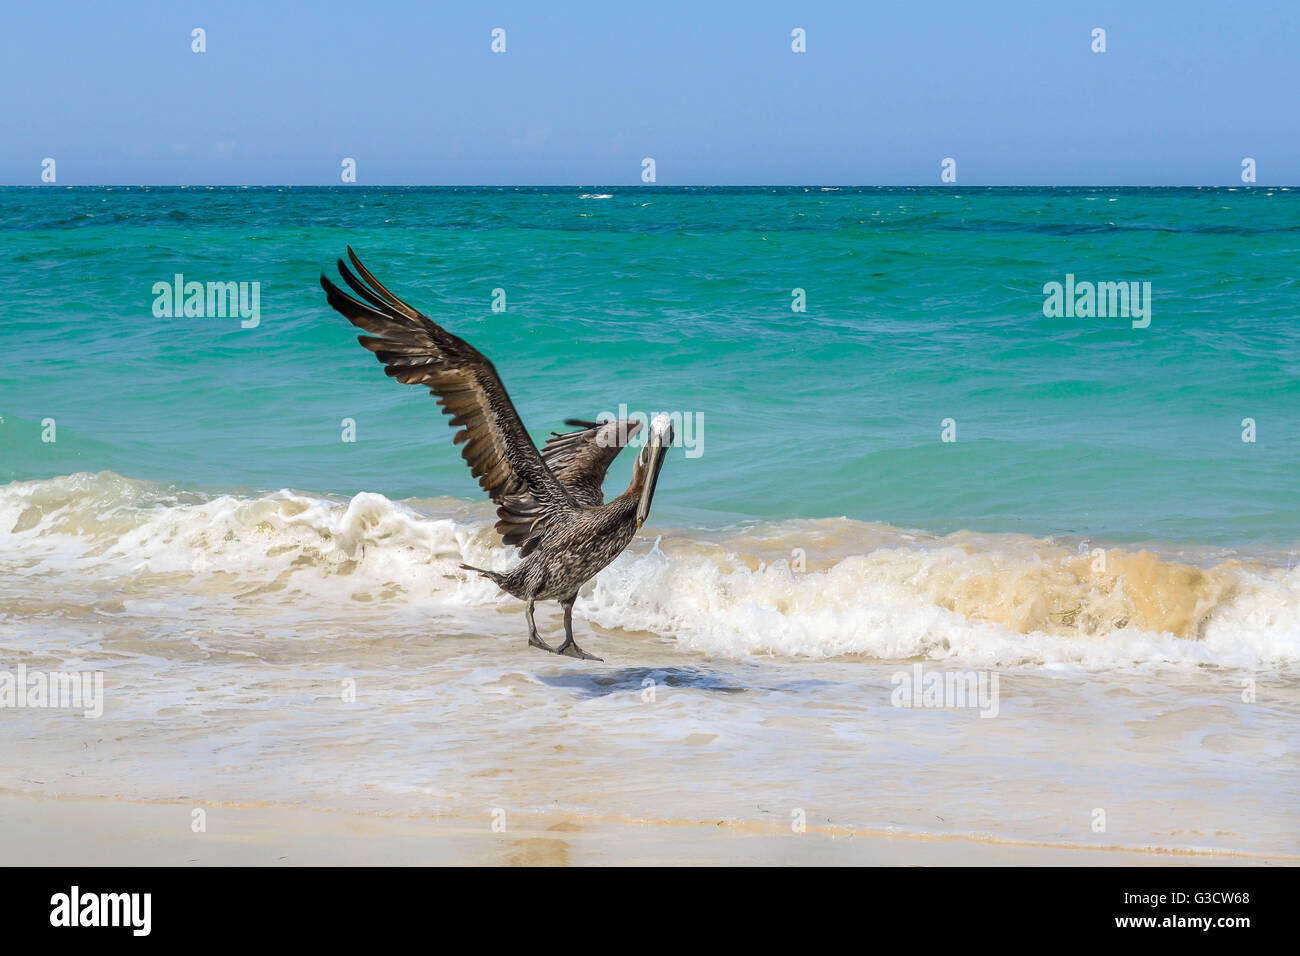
x,y
570,647
533,639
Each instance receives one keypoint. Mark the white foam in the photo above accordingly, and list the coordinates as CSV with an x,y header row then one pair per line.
x,y
883,605
993,601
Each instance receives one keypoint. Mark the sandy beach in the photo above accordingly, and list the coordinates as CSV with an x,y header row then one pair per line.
x,y
37,831
321,676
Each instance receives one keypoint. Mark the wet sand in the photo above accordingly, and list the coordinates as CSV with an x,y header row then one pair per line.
x,y
38,831
298,651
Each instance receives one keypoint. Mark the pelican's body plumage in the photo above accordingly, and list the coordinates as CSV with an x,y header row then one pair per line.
x,y
572,553
549,503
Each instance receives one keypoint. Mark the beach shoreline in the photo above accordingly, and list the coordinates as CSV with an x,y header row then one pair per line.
x,y
292,650
62,831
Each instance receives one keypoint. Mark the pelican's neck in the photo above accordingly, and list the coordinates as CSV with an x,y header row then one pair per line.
x,y
639,472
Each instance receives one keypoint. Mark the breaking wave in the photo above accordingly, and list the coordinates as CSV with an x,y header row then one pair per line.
x,y
802,588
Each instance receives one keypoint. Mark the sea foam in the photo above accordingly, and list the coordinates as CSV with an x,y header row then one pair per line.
x,y
795,589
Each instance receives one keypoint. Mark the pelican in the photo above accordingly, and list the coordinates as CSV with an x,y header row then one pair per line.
x,y
549,503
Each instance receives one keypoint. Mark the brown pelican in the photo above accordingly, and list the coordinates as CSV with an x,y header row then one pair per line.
x,y
550,503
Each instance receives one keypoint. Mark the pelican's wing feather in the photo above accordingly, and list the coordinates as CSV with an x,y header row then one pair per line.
x,y
417,351
581,459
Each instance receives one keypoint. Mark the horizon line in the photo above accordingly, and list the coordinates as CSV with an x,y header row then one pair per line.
x,y
651,187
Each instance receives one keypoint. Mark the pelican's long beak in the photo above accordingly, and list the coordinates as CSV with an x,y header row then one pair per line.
x,y
655,452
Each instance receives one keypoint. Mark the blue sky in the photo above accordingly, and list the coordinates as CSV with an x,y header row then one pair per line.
x,y
711,91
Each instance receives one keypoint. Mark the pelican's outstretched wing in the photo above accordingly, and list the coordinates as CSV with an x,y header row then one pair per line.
x,y
581,459
417,351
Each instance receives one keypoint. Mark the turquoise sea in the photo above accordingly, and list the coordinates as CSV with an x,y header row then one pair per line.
x,y
281,616
922,304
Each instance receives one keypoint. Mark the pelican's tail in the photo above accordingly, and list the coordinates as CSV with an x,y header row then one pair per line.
x,y
487,574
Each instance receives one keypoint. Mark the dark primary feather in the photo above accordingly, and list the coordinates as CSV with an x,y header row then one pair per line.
x,y
497,447
581,459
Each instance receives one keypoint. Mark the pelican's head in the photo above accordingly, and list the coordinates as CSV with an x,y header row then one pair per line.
x,y
651,459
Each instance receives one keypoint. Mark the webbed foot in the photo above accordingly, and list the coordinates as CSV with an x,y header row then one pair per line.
x,y
571,649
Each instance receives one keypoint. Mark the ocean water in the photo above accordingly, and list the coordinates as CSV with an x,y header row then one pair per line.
x,y
922,305
1099,535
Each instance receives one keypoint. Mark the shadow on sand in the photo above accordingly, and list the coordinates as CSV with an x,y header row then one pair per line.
x,y
625,679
